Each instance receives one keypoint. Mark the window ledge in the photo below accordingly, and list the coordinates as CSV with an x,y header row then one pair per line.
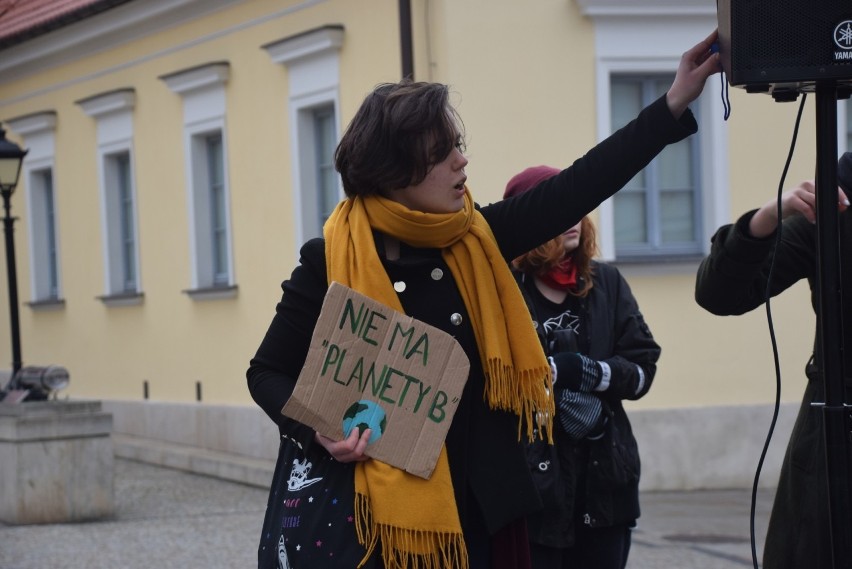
x,y
657,8
657,266
47,304
212,293
122,299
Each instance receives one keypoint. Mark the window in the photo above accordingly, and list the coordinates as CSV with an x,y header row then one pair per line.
x,y
120,243
659,211
327,190
210,220
203,92
44,246
211,197
634,48
42,222
113,112
314,76
318,187
120,223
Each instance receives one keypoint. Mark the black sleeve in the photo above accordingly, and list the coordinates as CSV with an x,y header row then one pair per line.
x,y
274,369
524,222
733,278
633,363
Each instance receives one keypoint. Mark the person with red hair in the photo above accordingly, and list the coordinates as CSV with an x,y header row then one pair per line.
x,y
601,352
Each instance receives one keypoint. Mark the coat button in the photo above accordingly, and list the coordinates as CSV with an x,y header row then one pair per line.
x,y
455,319
544,465
437,274
399,286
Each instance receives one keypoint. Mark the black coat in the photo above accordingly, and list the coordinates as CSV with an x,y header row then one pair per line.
x,y
487,465
733,279
596,482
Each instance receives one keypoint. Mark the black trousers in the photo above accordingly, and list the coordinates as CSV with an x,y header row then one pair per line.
x,y
595,548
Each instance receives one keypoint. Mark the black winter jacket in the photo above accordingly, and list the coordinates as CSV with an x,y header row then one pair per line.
x,y
596,482
732,280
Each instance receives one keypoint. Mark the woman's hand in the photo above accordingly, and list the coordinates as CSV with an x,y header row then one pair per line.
x,y
798,200
351,449
696,65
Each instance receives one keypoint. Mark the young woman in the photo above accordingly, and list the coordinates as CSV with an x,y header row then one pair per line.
x,y
409,235
602,351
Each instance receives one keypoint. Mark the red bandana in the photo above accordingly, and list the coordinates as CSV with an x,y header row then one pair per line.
x,y
563,276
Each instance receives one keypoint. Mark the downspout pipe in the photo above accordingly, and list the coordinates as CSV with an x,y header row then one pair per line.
x,y
405,43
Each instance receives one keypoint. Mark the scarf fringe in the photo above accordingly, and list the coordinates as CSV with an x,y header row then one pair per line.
x,y
524,393
408,548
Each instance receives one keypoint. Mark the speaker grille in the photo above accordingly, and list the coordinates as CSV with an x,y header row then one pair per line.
x,y
784,40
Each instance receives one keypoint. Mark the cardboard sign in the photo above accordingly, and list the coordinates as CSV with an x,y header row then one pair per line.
x,y
369,365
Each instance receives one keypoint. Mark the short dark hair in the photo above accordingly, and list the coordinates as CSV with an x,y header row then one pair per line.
x,y
400,131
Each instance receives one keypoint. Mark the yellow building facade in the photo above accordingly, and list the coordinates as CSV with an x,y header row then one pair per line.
x,y
179,156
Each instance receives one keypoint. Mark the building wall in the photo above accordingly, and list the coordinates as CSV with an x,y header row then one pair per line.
x,y
170,340
525,78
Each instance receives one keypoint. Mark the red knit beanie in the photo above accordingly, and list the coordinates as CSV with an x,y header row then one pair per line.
x,y
528,179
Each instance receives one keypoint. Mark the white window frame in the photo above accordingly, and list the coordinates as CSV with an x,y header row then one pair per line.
x,y
43,237
39,134
202,207
114,114
312,60
327,112
649,38
204,113
118,259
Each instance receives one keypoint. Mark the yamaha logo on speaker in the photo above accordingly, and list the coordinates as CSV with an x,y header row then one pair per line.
x,y
843,40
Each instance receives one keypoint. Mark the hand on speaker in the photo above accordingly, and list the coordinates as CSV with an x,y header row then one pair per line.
x,y
696,65
800,200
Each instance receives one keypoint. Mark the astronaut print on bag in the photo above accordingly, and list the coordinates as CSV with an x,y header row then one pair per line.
x,y
316,527
299,475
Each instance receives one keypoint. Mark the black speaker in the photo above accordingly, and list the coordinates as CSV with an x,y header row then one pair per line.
x,y
785,45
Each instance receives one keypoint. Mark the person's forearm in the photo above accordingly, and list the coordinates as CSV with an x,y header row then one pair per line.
x,y
764,222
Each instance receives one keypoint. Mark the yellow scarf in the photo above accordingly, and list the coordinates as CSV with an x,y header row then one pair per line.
x,y
416,519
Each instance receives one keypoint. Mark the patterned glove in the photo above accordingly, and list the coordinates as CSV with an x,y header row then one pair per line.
x,y
579,373
580,414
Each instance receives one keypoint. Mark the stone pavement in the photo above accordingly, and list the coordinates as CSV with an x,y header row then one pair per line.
x,y
168,519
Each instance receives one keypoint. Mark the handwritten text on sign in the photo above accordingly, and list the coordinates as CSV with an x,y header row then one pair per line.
x,y
369,365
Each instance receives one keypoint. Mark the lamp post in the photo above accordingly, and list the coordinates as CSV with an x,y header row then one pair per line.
x,y
11,158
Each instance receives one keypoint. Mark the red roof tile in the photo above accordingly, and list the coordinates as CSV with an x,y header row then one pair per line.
x,y
21,20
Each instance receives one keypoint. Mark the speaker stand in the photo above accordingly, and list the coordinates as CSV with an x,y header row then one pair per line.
x,y
829,326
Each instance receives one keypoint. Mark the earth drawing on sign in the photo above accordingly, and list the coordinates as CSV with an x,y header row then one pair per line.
x,y
365,414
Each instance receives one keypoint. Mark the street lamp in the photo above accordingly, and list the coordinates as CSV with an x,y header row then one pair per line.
x,y
11,158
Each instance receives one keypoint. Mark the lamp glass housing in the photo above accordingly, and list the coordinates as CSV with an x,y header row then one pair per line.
x,y
10,169
11,157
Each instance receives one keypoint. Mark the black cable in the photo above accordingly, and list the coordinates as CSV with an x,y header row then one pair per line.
x,y
726,101
772,333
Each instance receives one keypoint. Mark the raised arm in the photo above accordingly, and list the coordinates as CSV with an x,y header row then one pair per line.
x,y
696,65
561,201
